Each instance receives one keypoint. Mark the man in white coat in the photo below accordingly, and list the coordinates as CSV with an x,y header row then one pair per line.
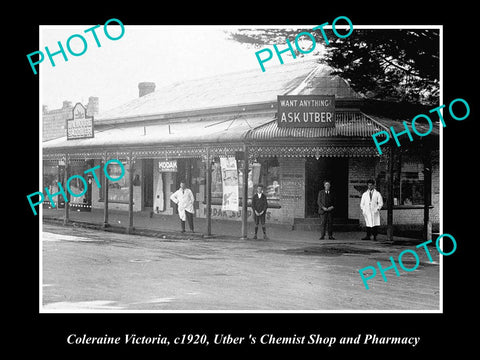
x,y
184,199
371,204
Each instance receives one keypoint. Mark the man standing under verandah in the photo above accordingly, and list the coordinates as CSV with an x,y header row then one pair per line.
x,y
184,199
371,204
326,204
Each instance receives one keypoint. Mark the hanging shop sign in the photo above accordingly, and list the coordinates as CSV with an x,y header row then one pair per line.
x,y
306,111
81,125
167,166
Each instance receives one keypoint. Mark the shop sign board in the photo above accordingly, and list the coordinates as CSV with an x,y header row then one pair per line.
x,y
81,125
306,111
167,166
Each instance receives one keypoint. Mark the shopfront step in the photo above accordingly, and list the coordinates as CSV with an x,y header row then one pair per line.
x,y
313,224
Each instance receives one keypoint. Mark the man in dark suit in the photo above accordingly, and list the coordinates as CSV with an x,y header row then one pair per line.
x,y
259,207
326,204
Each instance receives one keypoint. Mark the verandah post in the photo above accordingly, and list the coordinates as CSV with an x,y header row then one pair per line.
x,y
390,194
245,193
208,174
66,217
131,168
427,191
105,195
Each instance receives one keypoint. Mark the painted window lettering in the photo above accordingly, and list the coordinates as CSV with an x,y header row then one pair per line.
x,y
61,191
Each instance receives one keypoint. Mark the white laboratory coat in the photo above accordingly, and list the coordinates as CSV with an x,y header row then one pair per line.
x,y
371,208
184,200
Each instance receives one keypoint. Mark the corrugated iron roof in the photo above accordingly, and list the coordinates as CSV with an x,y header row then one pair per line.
x,y
347,124
238,88
181,133
420,125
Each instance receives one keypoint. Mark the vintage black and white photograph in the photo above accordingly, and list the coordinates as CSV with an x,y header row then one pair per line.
x,y
241,168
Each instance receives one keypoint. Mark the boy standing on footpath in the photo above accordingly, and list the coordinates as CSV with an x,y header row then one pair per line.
x,y
259,206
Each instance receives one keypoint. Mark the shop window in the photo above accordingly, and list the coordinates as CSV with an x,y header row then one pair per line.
x,y
118,191
76,185
410,191
265,171
269,177
251,182
52,175
407,182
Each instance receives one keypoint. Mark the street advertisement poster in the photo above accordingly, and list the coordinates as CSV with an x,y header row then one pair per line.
x,y
253,177
229,183
354,138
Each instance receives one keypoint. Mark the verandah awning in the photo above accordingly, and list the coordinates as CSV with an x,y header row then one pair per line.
x,y
350,124
351,136
159,139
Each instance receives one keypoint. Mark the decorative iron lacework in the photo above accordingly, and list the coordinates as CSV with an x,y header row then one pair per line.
x,y
316,151
161,153
225,150
201,152
347,124
171,153
53,156
74,155
86,155
50,162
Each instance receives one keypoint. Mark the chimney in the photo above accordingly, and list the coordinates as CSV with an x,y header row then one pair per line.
x,y
67,104
44,109
92,106
145,88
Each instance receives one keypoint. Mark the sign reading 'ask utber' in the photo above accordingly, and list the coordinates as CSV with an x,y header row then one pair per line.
x,y
306,111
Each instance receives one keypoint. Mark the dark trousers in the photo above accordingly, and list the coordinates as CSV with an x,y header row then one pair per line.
x,y
326,223
372,231
189,217
259,220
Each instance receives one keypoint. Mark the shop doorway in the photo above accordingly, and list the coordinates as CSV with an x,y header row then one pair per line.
x,y
336,171
184,172
147,183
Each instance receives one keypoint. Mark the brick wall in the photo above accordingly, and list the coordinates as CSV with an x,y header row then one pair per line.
x,y
362,169
359,171
54,121
435,212
292,190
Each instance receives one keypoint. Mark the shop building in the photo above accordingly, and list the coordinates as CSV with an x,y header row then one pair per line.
x,y
54,120
181,131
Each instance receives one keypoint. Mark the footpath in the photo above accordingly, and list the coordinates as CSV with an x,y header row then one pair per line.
x,y
168,226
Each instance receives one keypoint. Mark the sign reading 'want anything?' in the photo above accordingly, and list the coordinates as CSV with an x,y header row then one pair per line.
x,y
306,111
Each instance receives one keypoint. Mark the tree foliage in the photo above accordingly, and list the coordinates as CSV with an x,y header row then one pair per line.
x,y
383,64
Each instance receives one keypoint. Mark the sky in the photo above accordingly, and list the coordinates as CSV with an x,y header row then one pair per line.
x,y
159,54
